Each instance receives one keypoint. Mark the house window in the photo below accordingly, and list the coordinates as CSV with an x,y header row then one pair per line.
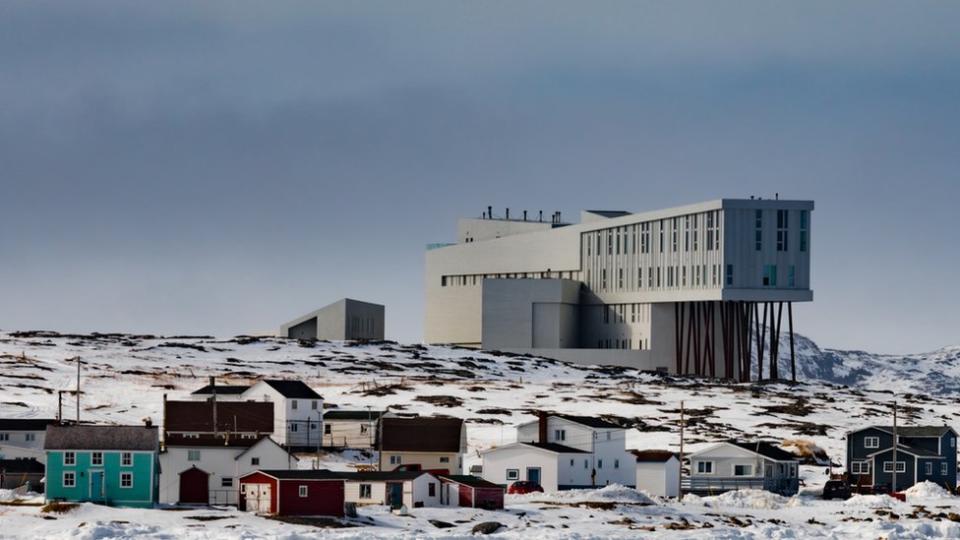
x,y
871,442
313,404
30,437
943,469
432,489
770,275
758,234
69,458
513,474
953,442
729,274
226,482
560,434
366,491
803,230
302,491
254,461
616,464
326,429
599,463
193,455
704,467
395,460
445,459
126,459
586,464
571,462
96,458
4,436
888,466
293,404
69,479
743,470
928,468
126,480
783,218
860,467
293,427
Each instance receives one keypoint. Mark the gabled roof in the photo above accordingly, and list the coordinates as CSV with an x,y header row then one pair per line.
x,y
912,450
588,421
336,414
265,440
653,456
911,431
468,480
227,390
101,438
556,448
760,448
300,474
421,434
25,424
232,416
292,389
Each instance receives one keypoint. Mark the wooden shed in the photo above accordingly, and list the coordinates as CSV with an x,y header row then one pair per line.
x,y
471,492
293,493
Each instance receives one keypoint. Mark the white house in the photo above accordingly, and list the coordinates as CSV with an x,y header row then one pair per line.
x,y
563,452
350,428
392,488
658,472
733,465
205,473
23,437
223,392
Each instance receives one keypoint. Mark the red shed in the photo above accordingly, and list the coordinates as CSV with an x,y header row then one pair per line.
x,y
293,493
476,492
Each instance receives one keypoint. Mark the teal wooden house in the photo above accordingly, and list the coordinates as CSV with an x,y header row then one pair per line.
x,y
112,465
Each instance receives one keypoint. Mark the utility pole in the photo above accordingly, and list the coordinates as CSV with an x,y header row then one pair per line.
x,y
59,406
893,485
380,439
213,388
78,389
680,472
319,433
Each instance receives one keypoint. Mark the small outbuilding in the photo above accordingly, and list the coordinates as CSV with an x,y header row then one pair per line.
x,y
345,319
293,492
412,489
658,472
471,492
19,472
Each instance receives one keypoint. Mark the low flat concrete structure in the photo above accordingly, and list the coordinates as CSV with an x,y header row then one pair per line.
x,y
345,319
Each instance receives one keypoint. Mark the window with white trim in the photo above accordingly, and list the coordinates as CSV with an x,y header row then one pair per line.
x,y
126,459
888,466
445,459
395,460
69,458
513,474
126,480
96,458
193,455
928,468
943,468
30,437
4,436
871,442
366,491
226,481
303,491
860,467
69,479
743,470
254,461
704,467
560,434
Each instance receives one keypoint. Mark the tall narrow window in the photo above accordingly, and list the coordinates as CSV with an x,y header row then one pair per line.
x,y
603,279
640,278
661,236
770,275
686,233
782,237
620,278
609,242
758,233
803,230
695,232
729,274
674,233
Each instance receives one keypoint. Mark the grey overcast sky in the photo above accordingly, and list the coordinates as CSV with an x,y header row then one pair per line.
x,y
220,167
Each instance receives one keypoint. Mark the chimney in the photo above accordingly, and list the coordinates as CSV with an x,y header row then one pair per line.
x,y
777,195
508,213
542,425
489,212
524,215
213,386
541,216
148,422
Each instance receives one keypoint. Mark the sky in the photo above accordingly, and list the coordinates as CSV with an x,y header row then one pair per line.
x,y
222,167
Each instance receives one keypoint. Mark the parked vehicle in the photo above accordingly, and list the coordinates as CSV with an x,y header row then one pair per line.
x,y
523,487
836,489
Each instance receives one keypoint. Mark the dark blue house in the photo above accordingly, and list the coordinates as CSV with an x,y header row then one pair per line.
x,y
923,453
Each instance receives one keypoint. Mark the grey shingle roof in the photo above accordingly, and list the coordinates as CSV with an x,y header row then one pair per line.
x,y
101,438
221,389
421,434
765,449
472,481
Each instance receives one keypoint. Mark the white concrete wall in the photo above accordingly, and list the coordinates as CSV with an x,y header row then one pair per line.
x,y
307,415
660,479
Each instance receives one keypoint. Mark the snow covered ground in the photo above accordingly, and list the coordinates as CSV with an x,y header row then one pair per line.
x,y
124,378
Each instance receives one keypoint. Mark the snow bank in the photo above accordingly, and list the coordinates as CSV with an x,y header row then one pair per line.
x,y
870,501
751,498
614,493
928,490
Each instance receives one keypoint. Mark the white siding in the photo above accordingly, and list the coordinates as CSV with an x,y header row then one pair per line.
x,y
659,478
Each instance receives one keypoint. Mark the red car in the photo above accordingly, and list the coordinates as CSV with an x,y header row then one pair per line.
x,y
523,487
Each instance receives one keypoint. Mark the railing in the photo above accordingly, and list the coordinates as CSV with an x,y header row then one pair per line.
x,y
713,486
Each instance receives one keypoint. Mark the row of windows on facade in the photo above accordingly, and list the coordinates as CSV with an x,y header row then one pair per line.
x,y
623,344
398,460
863,467
469,280
677,277
295,405
783,228
709,467
514,474
96,458
29,437
70,479
361,324
617,313
874,442
637,238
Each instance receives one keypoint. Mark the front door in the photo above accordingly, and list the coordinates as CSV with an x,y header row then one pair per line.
x,y
97,489
395,494
257,498
533,474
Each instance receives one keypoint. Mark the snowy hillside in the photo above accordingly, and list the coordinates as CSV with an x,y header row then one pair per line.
x,y
124,378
